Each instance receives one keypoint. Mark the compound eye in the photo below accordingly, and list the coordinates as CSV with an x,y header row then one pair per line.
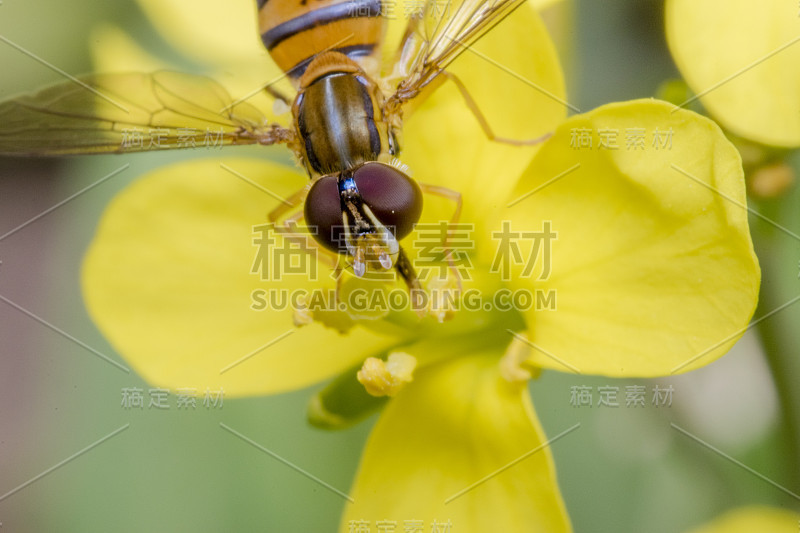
x,y
323,211
394,198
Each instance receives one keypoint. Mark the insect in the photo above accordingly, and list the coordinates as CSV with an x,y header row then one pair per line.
x,y
347,114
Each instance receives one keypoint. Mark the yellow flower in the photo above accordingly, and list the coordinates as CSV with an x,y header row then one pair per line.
x,y
742,59
753,518
653,273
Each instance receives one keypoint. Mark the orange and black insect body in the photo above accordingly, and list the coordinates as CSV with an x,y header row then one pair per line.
x,y
346,116
339,119
295,31
341,130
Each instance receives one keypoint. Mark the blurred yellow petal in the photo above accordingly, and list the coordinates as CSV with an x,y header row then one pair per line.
x,y
168,281
514,75
753,519
743,59
653,270
457,423
207,30
113,50
559,17
545,4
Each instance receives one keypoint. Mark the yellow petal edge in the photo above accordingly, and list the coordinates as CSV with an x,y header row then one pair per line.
x,y
743,59
653,270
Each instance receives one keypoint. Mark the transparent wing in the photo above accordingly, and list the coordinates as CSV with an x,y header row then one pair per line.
x,y
435,38
130,112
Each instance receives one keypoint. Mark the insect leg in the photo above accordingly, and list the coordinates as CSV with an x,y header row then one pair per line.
x,y
473,107
277,95
406,270
296,199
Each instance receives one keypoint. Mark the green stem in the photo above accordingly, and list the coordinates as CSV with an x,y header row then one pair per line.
x,y
780,334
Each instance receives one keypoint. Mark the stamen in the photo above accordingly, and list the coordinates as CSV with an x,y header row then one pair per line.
x,y
512,364
327,314
387,378
444,293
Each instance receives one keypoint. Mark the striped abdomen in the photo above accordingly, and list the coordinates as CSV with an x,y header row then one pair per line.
x,y
294,31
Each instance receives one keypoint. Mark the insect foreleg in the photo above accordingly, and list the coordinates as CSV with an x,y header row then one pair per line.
x,y
279,96
473,107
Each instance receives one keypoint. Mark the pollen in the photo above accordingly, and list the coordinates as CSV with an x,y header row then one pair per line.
x,y
387,378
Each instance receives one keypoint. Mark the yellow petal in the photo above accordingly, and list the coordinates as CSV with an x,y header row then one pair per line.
x,y
514,75
743,59
541,5
168,280
206,30
652,268
751,519
113,50
457,423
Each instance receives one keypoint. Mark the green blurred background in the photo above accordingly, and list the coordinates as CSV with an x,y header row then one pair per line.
x,y
626,470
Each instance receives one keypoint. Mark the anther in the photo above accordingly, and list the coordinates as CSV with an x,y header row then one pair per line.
x,y
387,378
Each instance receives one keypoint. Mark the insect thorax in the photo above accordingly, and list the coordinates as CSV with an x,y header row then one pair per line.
x,y
339,119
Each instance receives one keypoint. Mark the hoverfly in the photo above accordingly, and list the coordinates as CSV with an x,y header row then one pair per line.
x,y
347,114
